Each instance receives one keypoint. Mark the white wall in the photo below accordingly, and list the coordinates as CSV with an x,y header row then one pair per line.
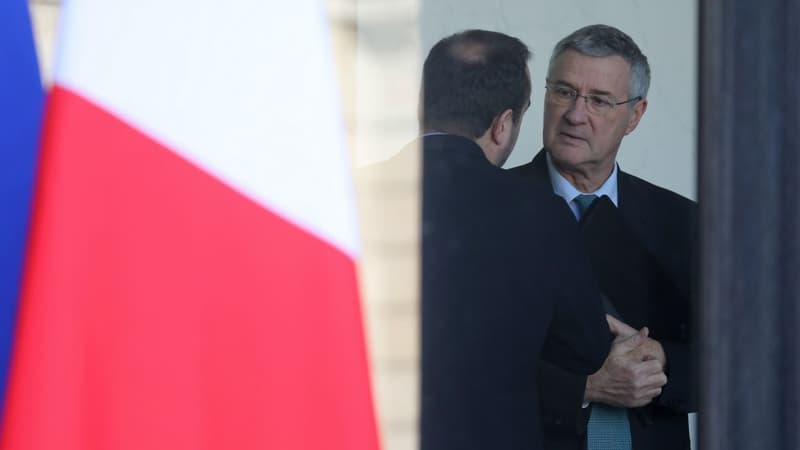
x,y
662,149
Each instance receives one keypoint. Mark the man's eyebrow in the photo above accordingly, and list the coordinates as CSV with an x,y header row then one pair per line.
x,y
563,83
592,91
600,92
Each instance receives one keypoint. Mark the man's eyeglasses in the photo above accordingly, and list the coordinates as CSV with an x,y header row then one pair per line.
x,y
562,95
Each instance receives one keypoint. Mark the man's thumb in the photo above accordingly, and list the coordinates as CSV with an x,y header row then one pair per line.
x,y
628,344
618,327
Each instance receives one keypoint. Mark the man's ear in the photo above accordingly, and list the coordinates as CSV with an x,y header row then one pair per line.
x,y
502,125
638,112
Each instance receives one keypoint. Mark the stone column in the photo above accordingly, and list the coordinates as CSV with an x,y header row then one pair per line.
x,y
749,182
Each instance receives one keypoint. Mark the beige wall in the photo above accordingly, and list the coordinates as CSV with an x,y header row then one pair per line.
x,y
44,17
387,68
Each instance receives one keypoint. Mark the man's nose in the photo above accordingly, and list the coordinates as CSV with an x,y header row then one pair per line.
x,y
577,112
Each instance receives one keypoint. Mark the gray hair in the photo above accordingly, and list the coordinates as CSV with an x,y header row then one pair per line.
x,y
604,40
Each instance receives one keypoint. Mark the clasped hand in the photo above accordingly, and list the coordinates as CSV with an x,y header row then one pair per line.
x,y
633,372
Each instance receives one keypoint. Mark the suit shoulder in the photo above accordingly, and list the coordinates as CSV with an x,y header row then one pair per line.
x,y
523,169
533,193
657,194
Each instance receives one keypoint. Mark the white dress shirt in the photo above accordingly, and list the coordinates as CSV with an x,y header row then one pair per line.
x,y
565,190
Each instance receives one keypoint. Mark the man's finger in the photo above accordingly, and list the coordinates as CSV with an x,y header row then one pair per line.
x,y
648,396
655,381
649,368
619,328
650,350
654,392
626,345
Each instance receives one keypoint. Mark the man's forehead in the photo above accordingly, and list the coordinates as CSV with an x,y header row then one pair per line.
x,y
599,73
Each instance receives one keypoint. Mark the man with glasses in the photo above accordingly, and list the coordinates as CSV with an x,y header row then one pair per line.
x,y
596,95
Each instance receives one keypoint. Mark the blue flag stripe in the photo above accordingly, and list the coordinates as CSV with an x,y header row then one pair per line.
x,y
21,100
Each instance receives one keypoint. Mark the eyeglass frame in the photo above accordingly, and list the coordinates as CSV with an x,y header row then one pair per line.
x,y
611,104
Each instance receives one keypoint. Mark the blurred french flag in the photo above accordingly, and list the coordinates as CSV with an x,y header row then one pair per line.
x,y
190,275
21,100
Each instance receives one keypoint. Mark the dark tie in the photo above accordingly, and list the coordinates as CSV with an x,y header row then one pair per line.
x,y
608,427
583,201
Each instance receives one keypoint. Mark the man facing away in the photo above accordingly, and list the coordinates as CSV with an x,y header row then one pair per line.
x,y
501,268
596,94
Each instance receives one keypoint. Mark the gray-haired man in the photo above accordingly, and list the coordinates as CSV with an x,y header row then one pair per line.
x,y
597,94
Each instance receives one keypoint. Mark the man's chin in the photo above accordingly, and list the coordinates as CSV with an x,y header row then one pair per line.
x,y
569,155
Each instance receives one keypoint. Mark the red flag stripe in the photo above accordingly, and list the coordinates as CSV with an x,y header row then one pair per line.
x,y
162,309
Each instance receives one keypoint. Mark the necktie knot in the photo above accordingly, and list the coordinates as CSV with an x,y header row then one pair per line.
x,y
583,201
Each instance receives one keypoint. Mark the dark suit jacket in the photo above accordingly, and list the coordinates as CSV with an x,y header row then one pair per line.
x,y
665,223
500,272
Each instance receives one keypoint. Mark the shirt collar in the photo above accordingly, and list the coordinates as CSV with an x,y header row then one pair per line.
x,y
567,191
434,133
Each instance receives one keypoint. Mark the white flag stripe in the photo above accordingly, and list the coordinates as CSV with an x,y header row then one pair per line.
x,y
273,133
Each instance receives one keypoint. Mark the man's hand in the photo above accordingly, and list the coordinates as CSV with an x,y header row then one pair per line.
x,y
650,348
619,328
632,374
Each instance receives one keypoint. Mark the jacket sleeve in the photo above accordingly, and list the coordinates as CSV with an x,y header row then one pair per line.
x,y
578,338
561,396
678,394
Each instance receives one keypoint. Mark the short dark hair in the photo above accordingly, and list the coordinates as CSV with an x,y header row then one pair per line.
x,y
471,77
604,40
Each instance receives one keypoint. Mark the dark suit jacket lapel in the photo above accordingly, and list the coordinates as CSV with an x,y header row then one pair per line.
x,y
631,204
